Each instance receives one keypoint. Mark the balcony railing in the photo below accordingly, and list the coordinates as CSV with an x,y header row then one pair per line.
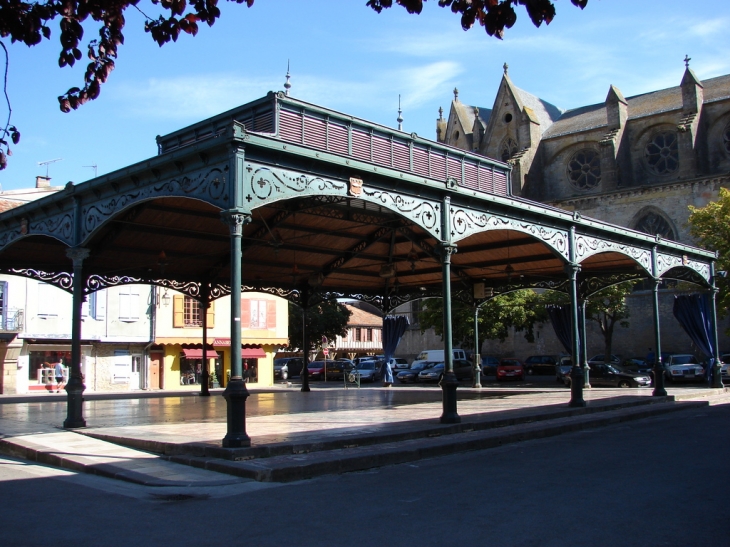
x,y
13,321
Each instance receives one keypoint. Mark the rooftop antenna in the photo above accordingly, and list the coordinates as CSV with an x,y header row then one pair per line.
x,y
47,162
93,166
287,84
400,117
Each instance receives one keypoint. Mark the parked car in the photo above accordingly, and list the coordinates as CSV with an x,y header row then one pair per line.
x,y
510,369
725,373
287,367
605,375
489,365
636,364
463,369
396,363
335,370
683,366
433,372
601,359
358,360
437,355
563,368
370,371
541,364
410,375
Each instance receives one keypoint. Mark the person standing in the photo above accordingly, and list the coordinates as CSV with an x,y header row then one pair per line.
x,y
58,371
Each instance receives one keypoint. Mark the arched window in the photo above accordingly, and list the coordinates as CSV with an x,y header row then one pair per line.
x,y
509,149
584,169
662,154
653,223
726,138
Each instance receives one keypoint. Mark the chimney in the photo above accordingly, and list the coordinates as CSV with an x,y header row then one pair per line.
x,y
42,182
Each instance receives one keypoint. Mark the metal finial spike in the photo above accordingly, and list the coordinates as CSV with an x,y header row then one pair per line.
x,y
287,84
441,113
400,118
456,94
505,66
687,59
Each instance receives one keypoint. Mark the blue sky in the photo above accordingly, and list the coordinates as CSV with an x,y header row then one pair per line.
x,y
346,57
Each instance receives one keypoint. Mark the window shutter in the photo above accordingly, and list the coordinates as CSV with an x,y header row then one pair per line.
x,y
210,316
270,314
178,307
245,313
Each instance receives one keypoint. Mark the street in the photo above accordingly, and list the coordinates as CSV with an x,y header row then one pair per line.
x,y
654,482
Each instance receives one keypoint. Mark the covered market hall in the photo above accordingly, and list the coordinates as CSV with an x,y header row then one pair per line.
x,y
306,203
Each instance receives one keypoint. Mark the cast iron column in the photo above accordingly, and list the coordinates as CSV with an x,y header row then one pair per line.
x,y
717,368
236,393
75,386
576,374
477,353
659,390
305,341
449,383
584,346
204,306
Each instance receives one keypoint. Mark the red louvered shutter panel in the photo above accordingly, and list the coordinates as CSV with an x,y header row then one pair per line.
x,y
245,313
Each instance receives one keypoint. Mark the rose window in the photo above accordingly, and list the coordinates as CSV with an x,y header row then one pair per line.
x,y
584,169
662,153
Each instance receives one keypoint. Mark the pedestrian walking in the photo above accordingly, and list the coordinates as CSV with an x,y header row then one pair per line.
x,y
58,371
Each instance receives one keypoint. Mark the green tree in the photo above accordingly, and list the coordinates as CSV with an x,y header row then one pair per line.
x,y
328,318
516,309
608,308
710,225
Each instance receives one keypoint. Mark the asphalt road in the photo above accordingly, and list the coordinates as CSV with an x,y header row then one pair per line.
x,y
656,482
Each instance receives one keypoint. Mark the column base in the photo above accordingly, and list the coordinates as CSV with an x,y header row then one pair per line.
x,y
449,383
75,404
235,395
577,379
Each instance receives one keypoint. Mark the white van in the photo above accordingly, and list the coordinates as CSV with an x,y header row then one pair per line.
x,y
437,355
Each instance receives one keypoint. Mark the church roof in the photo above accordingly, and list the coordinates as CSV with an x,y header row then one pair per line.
x,y
639,106
467,114
362,318
545,112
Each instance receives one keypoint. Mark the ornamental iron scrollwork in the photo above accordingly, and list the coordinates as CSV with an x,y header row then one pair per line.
x,y
267,184
62,280
666,262
686,274
423,212
588,246
467,222
209,185
591,285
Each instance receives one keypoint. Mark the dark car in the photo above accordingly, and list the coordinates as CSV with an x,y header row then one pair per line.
x,y
601,359
410,375
287,367
605,375
725,373
489,365
636,364
563,368
433,372
463,369
541,364
334,370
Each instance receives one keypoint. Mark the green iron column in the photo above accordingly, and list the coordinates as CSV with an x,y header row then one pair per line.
x,y
576,374
204,307
477,351
236,393
449,383
659,390
305,341
584,346
717,367
75,386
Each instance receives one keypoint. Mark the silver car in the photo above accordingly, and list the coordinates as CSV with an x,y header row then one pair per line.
x,y
683,366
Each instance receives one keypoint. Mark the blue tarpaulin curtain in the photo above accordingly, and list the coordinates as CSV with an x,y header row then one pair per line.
x,y
394,326
560,319
693,313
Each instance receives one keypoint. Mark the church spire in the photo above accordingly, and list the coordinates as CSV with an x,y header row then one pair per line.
x,y
400,117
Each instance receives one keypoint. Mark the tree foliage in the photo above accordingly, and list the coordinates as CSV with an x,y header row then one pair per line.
x,y
29,23
493,15
710,225
328,318
516,310
608,308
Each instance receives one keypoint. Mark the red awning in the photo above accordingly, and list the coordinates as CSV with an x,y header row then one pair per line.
x,y
252,353
198,354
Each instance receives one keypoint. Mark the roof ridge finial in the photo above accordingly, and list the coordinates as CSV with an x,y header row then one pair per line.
x,y
400,118
456,94
441,113
287,84
687,59
505,67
